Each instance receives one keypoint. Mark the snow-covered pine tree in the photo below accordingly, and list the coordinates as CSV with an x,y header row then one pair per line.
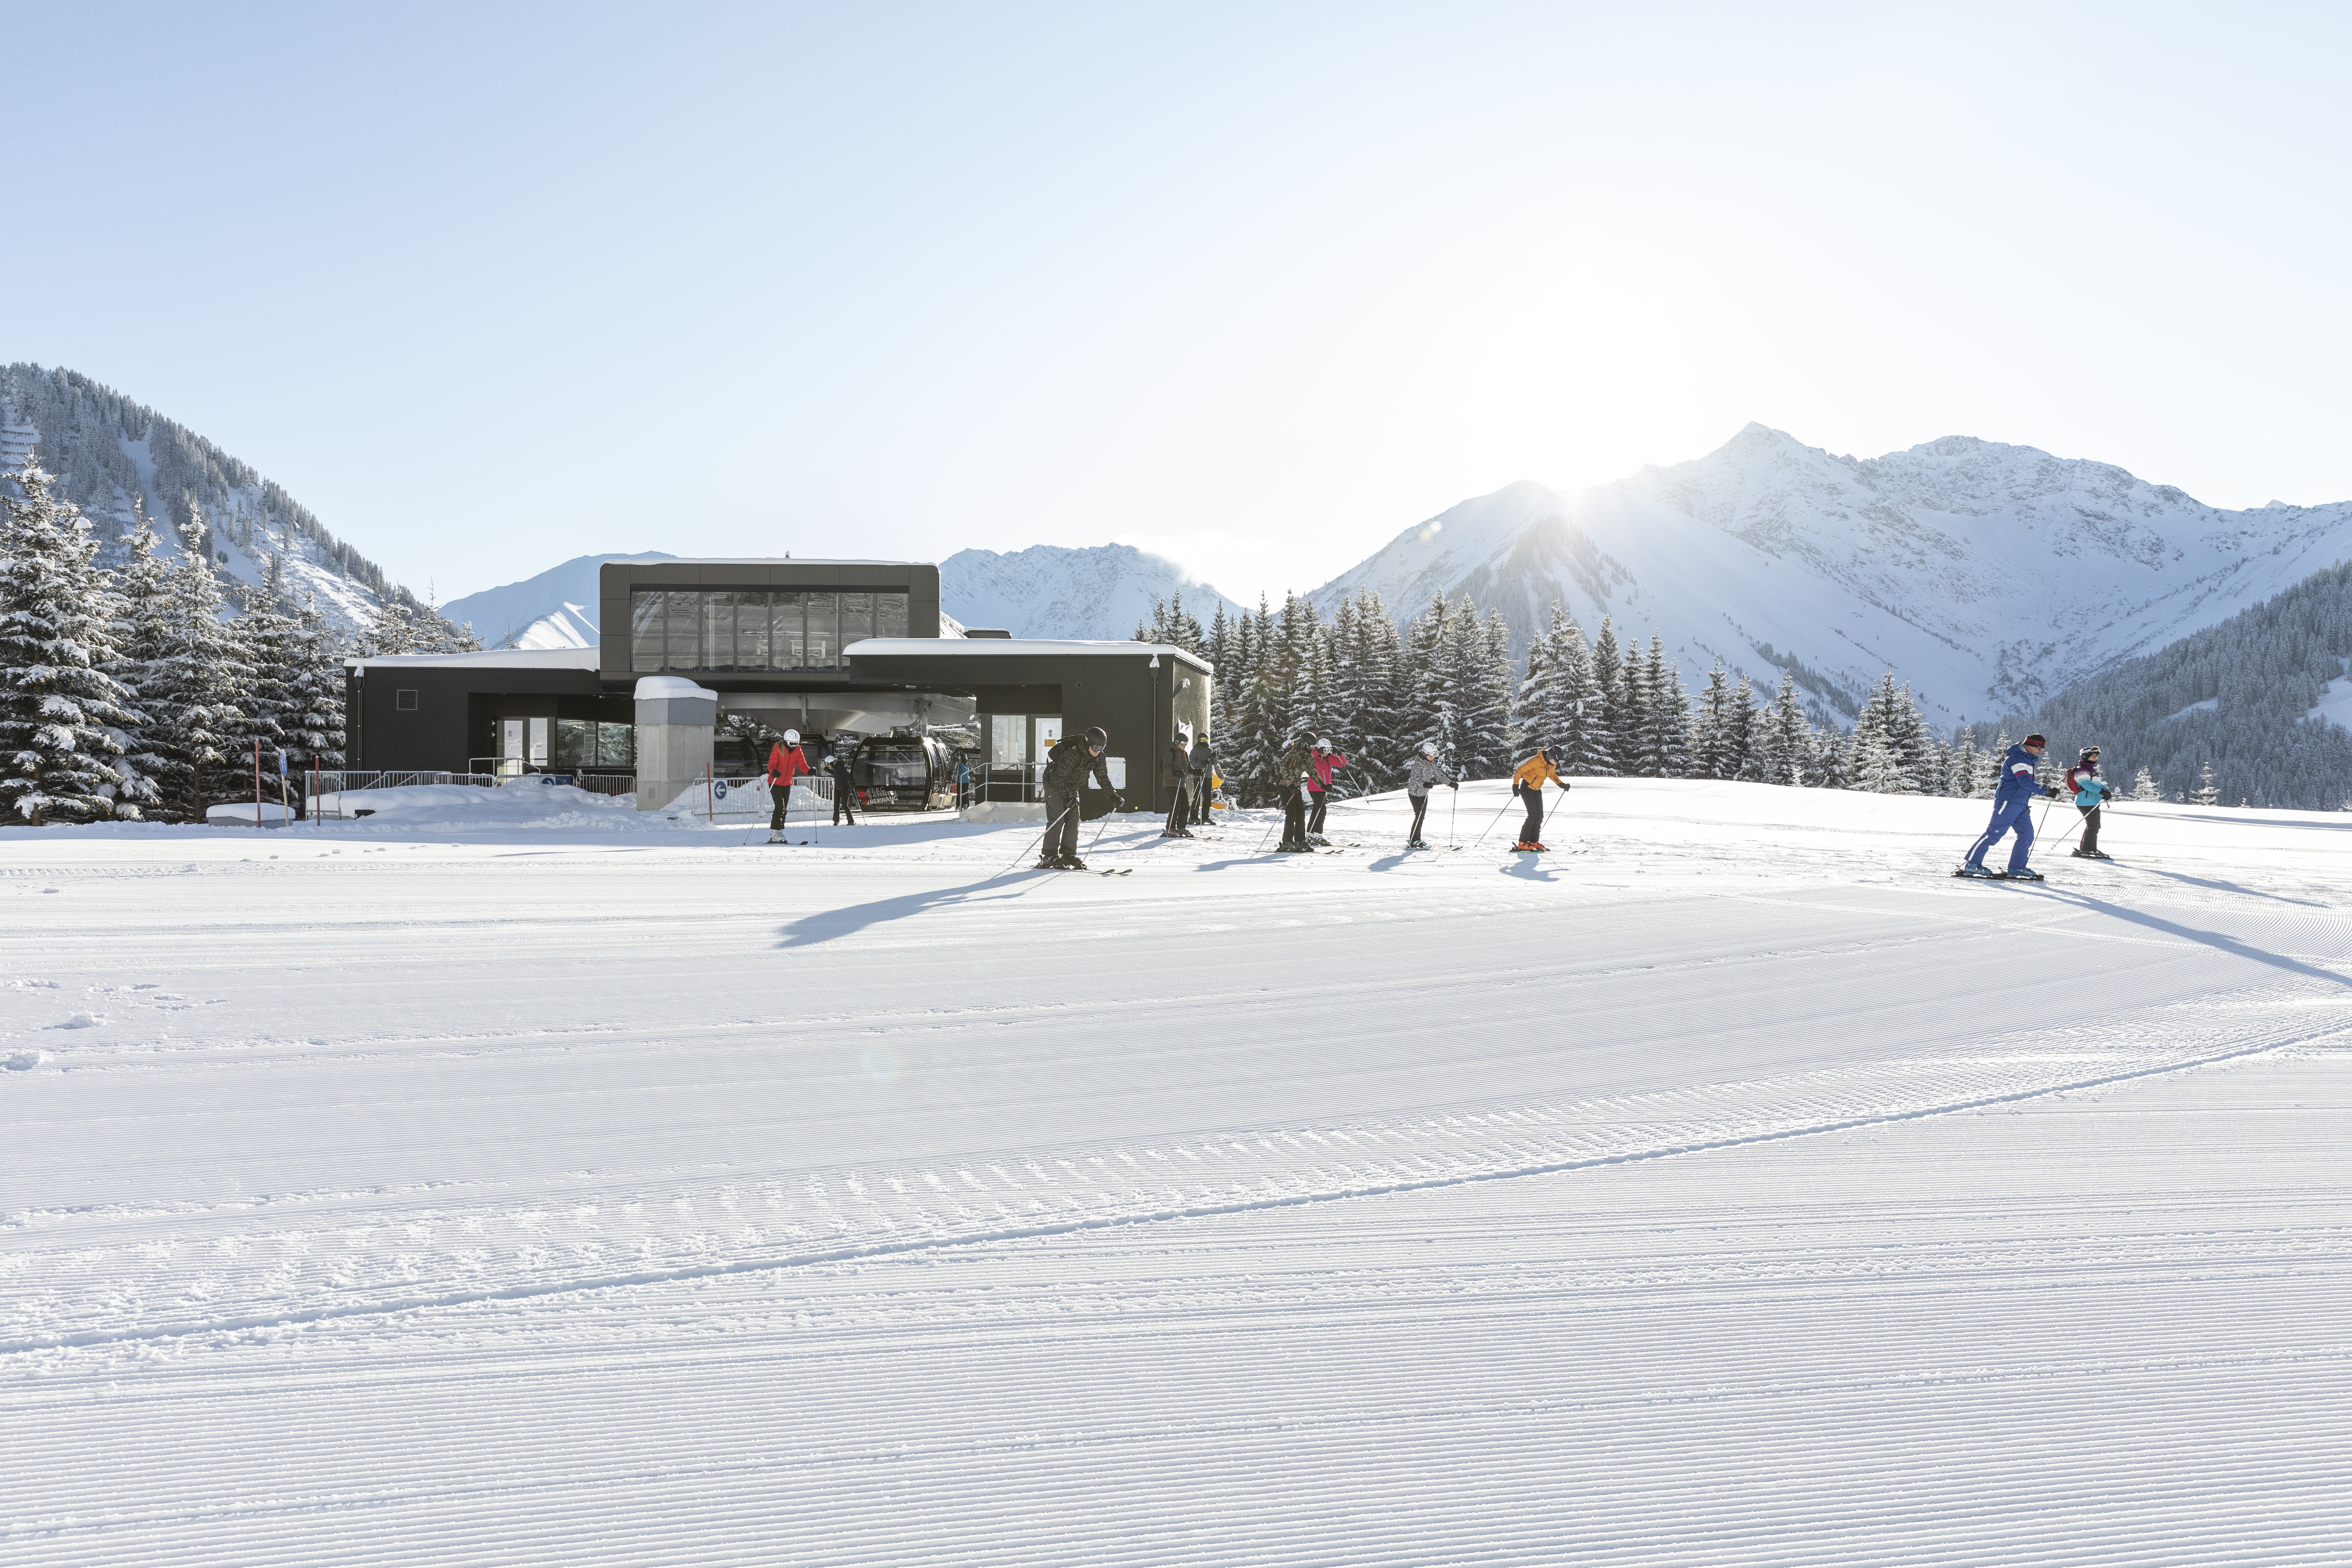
x,y
1710,727
189,670
1604,711
1871,763
1675,728
1484,655
1639,714
266,634
1313,705
1184,627
1744,726
1788,737
1250,753
2144,787
1225,652
391,630
142,607
1828,767
1665,716
1569,664
63,718
1431,714
2205,793
312,716
1532,703
1911,741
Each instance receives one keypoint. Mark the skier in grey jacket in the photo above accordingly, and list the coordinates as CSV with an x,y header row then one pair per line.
x,y
1424,770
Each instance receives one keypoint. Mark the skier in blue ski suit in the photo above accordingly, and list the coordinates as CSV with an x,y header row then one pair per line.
x,y
2012,805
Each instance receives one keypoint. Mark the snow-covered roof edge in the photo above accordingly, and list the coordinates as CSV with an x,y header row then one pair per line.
x,y
1025,647
513,657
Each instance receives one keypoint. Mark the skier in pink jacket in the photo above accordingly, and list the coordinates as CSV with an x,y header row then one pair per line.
x,y
1325,762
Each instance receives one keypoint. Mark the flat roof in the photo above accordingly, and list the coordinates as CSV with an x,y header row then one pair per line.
x,y
766,560
497,657
1016,648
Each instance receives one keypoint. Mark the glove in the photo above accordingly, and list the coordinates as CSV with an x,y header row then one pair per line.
x,y
1119,803
1452,785
2052,792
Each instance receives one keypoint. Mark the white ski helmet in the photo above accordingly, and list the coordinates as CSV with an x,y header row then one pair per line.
x,y
1429,748
1324,745
791,737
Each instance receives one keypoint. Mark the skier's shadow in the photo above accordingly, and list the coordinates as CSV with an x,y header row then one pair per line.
x,y
2221,887
826,925
2213,939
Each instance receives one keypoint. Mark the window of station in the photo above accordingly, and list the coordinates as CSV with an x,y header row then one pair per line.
x,y
728,630
595,744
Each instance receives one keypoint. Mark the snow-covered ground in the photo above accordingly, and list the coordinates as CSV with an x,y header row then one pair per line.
x,y
584,1187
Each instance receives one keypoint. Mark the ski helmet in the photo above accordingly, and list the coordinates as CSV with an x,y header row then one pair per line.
x,y
1324,745
1429,748
2090,752
2034,740
1097,738
791,737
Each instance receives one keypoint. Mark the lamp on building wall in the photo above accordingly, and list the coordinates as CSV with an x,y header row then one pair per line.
x,y
1155,662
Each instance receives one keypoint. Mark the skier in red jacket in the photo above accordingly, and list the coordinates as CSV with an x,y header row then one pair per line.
x,y
1325,762
786,762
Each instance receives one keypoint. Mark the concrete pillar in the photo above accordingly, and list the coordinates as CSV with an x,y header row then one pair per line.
x,y
674,720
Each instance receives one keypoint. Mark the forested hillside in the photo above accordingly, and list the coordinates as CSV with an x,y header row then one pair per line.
x,y
2240,697
110,457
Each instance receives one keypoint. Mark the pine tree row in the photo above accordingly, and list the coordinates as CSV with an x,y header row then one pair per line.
x,y
129,694
1602,708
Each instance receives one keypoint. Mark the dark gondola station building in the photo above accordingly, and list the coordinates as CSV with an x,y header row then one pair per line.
x,y
838,648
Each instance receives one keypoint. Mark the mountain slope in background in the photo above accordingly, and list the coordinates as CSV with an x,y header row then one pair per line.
x,y
1051,591
1988,575
557,608
108,451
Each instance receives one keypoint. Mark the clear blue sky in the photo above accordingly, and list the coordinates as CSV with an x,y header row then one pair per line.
x,y
488,287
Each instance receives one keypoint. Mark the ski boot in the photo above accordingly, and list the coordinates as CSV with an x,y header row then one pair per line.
x,y
2091,855
1416,844
1319,841
2024,873
774,837
1072,864
1523,847
1977,869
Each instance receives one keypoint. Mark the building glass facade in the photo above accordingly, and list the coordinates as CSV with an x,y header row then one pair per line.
x,y
753,631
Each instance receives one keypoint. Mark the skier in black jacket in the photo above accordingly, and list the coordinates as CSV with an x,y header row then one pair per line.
x,y
1180,774
1066,767
842,770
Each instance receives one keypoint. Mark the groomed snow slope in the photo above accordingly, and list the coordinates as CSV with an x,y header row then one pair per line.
x,y
1741,1190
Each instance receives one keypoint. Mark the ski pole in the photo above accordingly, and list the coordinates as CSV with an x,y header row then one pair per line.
x,y
1490,827
1454,815
1039,839
1269,831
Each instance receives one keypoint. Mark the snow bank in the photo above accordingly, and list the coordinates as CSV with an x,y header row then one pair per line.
x,y
273,815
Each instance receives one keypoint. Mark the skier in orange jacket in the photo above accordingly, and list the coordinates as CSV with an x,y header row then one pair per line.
x,y
1528,783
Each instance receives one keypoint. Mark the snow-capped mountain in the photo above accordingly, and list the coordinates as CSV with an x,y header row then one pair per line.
x,y
1050,590
558,608
1988,575
108,452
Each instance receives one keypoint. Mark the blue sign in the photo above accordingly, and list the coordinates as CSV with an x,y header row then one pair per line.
x,y
719,788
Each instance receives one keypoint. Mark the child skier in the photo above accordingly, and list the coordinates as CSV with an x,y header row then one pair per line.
x,y
2090,793
2012,811
1425,770
786,762
1528,783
